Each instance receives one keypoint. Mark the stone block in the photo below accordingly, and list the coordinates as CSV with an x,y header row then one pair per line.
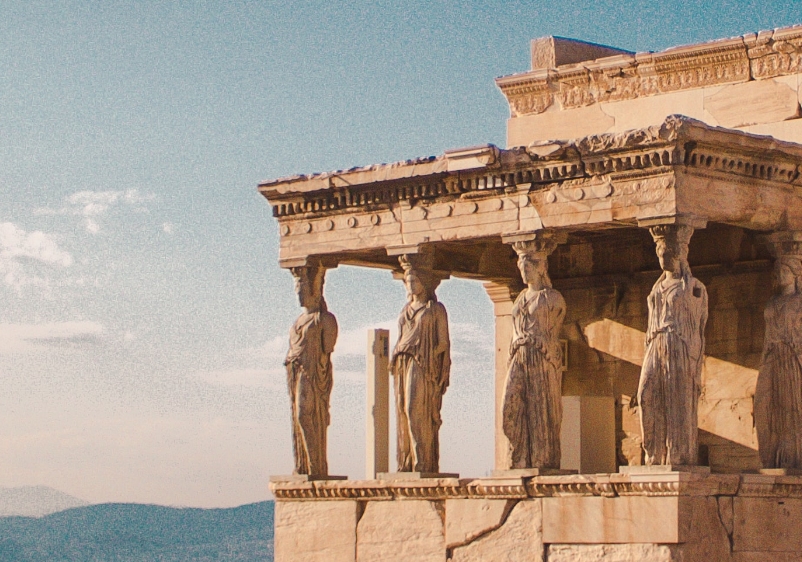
x,y
790,130
572,123
767,524
551,52
598,520
518,539
727,380
731,419
610,553
399,531
315,531
647,111
467,519
753,102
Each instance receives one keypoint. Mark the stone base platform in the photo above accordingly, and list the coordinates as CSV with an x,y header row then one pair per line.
x,y
656,517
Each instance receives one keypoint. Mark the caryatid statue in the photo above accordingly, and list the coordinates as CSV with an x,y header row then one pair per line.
x,y
532,409
420,364
671,376
309,373
778,395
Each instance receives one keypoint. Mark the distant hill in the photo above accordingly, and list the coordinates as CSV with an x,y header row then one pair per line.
x,y
135,532
35,501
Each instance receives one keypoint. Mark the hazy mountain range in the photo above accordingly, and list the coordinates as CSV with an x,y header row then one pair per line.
x,y
35,501
132,532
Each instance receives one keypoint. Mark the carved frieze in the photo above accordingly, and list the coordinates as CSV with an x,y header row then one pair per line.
x,y
621,78
776,54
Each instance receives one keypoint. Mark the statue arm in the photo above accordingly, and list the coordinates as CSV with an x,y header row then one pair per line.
x,y
443,345
328,332
702,325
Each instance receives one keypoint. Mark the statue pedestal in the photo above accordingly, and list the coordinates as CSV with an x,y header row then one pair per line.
x,y
305,477
781,471
531,472
393,476
664,469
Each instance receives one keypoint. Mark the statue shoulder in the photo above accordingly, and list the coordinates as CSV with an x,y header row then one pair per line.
x,y
555,297
328,320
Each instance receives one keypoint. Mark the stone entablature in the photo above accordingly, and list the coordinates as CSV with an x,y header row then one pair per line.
x,y
681,168
754,56
603,485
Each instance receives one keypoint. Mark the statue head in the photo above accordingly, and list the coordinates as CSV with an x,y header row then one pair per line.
x,y
672,247
419,282
533,260
309,286
788,272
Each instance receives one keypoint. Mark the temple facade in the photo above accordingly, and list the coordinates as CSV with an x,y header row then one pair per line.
x,y
640,237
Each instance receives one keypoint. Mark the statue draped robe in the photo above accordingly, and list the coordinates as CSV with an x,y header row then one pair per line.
x,y
532,411
671,376
778,396
420,365
309,378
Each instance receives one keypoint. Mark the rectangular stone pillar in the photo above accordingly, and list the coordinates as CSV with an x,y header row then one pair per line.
x,y
377,425
587,434
502,309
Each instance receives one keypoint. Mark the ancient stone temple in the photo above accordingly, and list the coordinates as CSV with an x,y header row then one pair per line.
x,y
640,238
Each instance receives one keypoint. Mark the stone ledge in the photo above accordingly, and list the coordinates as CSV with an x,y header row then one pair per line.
x,y
603,485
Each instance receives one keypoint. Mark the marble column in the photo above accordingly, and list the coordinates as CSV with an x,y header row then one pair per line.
x,y
670,379
420,365
309,372
778,395
532,402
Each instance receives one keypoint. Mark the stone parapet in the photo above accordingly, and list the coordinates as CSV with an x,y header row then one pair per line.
x,y
754,56
649,516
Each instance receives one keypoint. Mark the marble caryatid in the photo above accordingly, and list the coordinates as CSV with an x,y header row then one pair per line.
x,y
778,395
309,372
532,409
420,365
670,379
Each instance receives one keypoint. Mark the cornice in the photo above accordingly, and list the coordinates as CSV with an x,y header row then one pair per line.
x,y
754,56
485,172
598,485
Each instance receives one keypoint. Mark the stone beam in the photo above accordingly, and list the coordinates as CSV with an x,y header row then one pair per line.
x,y
681,167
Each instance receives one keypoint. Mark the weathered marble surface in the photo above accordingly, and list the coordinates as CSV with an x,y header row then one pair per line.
x,y
532,410
309,372
401,531
315,531
670,381
519,538
680,517
420,365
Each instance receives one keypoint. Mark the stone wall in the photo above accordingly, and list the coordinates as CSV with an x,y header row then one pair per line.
x,y
669,517
606,279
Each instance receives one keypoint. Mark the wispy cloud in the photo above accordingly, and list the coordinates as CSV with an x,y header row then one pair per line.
x,y
92,204
24,338
18,246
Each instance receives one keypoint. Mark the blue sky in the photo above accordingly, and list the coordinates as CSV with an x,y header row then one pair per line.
x,y
143,315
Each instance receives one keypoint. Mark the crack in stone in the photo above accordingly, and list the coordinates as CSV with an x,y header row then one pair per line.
x,y
504,516
728,532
